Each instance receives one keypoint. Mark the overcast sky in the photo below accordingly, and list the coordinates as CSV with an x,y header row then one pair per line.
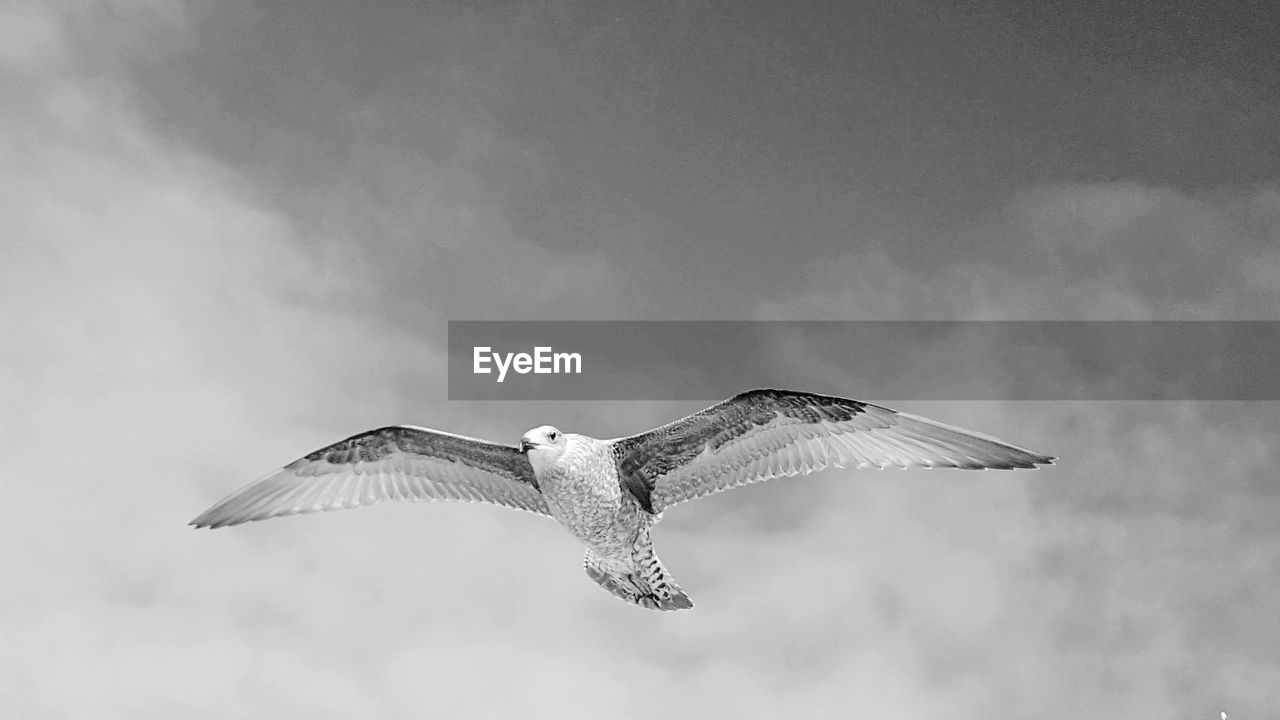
x,y
231,233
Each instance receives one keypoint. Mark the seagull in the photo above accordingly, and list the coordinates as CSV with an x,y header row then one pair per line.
x,y
609,493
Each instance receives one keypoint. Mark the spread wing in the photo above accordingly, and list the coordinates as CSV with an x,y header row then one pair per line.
x,y
391,463
763,434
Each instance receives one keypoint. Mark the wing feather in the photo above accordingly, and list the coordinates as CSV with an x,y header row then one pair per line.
x,y
391,463
764,434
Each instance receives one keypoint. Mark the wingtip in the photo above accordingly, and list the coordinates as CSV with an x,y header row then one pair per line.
x,y
206,520
1034,463
1042,459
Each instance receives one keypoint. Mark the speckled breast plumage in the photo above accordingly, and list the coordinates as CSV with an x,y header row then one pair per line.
x,y
584,494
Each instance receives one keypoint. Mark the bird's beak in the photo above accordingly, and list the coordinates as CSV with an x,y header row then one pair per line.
x,y
526,445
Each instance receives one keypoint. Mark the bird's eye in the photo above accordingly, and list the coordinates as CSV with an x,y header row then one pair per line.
x,y
552,435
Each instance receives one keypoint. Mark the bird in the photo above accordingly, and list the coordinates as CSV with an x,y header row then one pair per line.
x,y
610,493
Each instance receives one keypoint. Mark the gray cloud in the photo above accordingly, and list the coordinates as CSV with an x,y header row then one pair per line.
x,y
1143,562
236,233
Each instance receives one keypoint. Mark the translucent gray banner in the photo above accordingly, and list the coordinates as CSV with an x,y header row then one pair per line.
x,y
945,360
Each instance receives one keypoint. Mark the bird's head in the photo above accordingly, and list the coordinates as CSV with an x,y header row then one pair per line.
x,y
543,445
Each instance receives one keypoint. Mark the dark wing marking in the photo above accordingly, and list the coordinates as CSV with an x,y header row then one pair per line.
x,y
391,463
762,434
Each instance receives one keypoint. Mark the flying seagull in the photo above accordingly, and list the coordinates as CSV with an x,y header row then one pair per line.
x,y
609,493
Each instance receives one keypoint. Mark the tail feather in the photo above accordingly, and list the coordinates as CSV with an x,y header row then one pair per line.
x,y
640,580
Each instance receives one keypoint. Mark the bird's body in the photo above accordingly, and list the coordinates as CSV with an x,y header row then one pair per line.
x,y
609,493
585,494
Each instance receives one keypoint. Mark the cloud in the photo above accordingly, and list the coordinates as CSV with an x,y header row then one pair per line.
x,y
167,334
179,319
177,334
1129,569
1068,252
28,37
